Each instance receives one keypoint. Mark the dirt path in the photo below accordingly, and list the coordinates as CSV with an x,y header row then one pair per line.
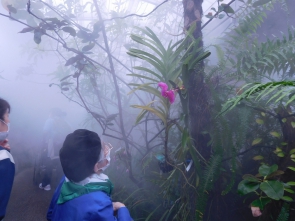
x,y
28,202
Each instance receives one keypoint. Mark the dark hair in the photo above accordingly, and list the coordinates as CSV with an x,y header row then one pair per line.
x,y
79,153
4,106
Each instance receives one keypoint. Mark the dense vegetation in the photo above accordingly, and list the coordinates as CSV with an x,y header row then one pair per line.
x,y
201,138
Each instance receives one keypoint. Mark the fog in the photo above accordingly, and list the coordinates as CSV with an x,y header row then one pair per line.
x,y
32,76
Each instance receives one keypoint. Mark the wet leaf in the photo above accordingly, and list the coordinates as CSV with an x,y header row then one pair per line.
x,y
66,77
65,83
72,60
25,30
261,202
265,170
88,47
256,141
251,178
69,30
289,190
246,186
273,189
280,154
274,174
259,121
291,168
97,26
259,157
275,134
227,9
287,198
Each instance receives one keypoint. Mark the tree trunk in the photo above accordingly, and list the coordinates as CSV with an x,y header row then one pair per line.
x,y
199,116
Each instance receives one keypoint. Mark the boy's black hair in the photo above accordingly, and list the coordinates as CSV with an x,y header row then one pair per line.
x,y
79,153
4,106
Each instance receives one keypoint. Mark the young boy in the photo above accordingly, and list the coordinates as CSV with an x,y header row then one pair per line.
x,y
84,193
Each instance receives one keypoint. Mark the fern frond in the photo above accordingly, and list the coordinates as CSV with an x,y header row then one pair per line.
x,y
284,214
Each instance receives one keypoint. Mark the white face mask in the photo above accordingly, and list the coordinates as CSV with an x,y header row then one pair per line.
x,y
105,155
4,135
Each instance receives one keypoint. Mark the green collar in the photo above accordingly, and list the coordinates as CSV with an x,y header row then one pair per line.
x,y
71,190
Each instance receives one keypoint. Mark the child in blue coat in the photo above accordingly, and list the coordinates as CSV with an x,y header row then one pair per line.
x,y
84,193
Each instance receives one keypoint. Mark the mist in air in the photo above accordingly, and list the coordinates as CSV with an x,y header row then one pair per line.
x,y
170,86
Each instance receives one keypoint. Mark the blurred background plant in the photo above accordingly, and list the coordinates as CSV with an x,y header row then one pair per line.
x,y
183,159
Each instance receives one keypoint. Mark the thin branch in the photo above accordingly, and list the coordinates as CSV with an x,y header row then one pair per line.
x,y
203,26
141,16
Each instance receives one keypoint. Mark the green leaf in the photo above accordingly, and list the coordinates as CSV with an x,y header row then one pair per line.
x,y
265,170
289,190
291,168
140,116
246,186
284,120
293,124
287,198
260,2
259,121
291,183
277,150
273,189
274,174
292,156
292,151
154,111
70,30
88,47
72,60
263,114
280,154
256,141
258,157
261,202
227,9
185,138
275,134
251,178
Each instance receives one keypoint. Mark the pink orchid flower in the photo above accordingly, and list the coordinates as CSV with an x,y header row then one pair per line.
x,y
256,211
167,93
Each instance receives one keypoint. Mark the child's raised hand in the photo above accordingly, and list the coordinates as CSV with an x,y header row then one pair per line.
x,y
117,205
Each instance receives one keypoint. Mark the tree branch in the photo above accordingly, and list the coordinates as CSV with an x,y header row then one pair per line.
x,y
141,16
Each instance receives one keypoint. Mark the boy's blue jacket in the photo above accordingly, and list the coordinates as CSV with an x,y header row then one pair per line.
x,y
7,170
93,206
